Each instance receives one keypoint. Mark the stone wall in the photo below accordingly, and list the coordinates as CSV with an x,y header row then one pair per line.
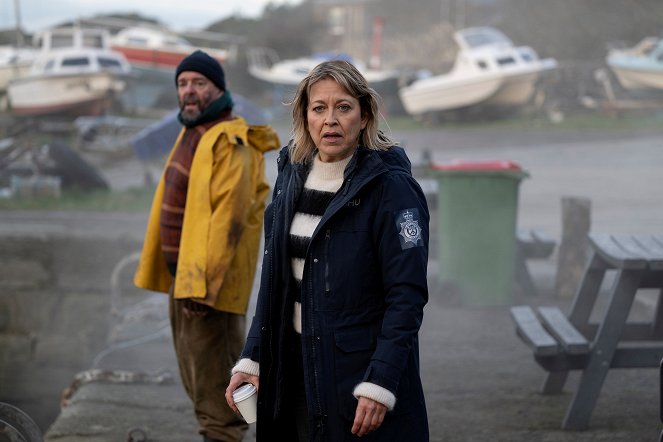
x,y
54,314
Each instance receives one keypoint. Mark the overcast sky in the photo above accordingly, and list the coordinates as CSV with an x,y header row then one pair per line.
x,y
178,14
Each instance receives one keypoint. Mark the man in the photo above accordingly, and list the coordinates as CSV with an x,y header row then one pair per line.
x,y
203,235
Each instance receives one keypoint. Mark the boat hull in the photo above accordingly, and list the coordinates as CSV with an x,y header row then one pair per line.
x,y
265,66
89,94
156,60
9,72
441,94
639,79
639,68
293,76
514,91
435,94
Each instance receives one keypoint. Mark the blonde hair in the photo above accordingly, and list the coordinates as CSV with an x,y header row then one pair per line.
x,y
349,78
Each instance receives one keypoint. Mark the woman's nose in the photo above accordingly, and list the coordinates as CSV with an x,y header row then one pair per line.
x,y
330,118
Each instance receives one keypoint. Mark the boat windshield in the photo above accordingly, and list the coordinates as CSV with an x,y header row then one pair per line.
x,y
76,61
112,63
485,37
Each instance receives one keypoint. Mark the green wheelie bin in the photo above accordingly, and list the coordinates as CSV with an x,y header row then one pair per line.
x,y
477,205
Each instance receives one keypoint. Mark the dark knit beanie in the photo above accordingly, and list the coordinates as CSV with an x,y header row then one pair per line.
x,y
202,63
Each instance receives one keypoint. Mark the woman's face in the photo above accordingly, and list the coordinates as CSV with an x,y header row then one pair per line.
x,y
334,120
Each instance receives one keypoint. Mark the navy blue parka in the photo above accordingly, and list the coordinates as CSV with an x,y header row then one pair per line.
x,y
364,288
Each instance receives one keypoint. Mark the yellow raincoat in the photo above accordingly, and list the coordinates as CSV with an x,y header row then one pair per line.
x,y
223,219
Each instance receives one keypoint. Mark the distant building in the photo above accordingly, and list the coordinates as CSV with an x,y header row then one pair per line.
x,y
349,29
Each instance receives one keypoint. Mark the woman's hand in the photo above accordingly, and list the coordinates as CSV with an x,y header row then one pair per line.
x,y
236,381
368,417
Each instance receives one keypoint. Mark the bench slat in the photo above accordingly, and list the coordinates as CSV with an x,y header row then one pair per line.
x,y
608,248
532,332
637,245
534,244
653,247
572,341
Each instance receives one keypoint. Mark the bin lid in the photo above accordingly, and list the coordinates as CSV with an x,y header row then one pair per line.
x,y
487,166
496,168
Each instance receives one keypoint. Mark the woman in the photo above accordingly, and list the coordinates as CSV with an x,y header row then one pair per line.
x,y
333,346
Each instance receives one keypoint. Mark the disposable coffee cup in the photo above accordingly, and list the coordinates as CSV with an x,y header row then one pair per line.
x,y
246,399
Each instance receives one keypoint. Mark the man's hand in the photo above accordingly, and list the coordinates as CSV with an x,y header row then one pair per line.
x,y
368,417
193,309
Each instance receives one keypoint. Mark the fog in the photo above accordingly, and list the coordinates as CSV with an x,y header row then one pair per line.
x,y
579,131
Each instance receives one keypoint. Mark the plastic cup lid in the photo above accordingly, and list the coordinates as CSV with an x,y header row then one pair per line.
x,y
243,392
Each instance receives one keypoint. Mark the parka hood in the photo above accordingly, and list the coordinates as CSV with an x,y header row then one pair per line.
x,y
395,159
369,163
261,137
392,159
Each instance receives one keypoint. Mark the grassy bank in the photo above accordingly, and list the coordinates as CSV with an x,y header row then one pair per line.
x,y
130,200
571,122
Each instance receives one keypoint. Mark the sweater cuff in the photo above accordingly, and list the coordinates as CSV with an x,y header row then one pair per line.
x,y
247,366
376,393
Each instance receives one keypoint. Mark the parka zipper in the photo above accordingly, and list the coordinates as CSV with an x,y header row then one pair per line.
x,y
269,298
314,339
327,242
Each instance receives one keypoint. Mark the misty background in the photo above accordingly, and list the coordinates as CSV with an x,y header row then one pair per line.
x,y
418,36
55,301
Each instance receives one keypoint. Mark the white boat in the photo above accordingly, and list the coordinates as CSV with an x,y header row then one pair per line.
x,y
14,62
640,68
488,71
75,73
265,65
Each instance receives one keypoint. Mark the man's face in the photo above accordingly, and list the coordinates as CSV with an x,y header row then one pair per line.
x,y
195,92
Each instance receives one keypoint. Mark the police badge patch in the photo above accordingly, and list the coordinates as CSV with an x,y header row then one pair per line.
x,y
409,231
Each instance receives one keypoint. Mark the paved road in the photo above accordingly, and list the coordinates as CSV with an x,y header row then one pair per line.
x,y
618,170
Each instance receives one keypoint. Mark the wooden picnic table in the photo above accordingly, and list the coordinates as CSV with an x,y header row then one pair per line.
x,y
564,342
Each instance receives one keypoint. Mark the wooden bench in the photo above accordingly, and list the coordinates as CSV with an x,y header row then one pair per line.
x,y
548,331
530,244
550,335
562,343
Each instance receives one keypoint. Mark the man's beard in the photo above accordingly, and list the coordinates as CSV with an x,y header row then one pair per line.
x,y
190,115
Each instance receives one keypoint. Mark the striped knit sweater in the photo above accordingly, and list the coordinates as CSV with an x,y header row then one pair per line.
x,y
176,179
321,185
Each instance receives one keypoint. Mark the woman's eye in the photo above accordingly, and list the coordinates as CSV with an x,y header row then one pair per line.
x,y
344,107
317,109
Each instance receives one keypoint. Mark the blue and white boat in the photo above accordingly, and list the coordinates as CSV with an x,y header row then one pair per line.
x,y
639,68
